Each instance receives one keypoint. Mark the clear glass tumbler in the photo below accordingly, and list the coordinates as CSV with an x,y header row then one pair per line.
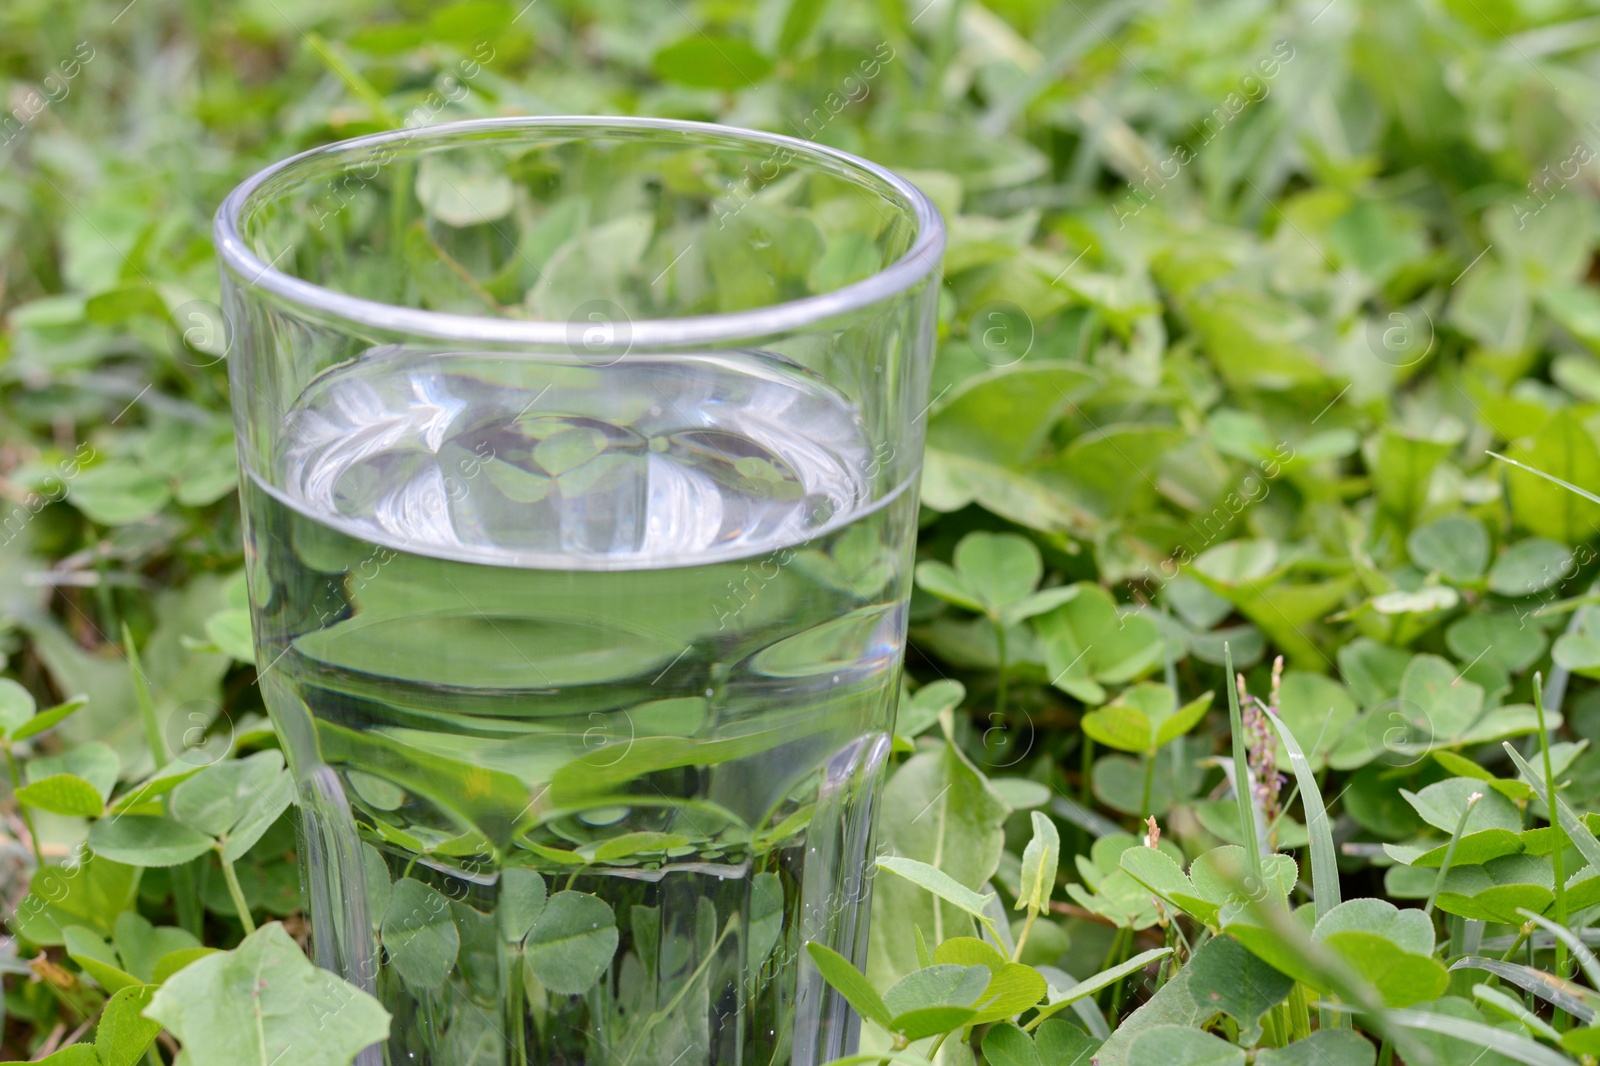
x,y
581,496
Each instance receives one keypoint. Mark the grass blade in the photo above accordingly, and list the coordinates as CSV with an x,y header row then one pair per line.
x,y
1090,985
1570,823
1511,1007
1580,951
1092,822
1356,993
1574,999
147,703
1241,771
1324,860
1556,857
1569,486
1511,1045
868,1058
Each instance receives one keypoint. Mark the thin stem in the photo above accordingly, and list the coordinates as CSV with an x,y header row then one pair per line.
x,y
22,809
1178,756
1182,950
404,182
186,896
1557,859
673,1004
519,1034
1027,927
1517,943
359,86
66,1000
933,1052
1149,781
454,266
1119,949
1461,981
1111,951
1000,684
1272,1034
237,893
104,601
1450,851
1299,1013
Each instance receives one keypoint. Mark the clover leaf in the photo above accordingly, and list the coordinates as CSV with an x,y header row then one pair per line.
x,y
419,934
1089,643
935,999
572,942
1143,718
1457,547
1110,890
264,1001
1390,949
20,717
994,574
1214,880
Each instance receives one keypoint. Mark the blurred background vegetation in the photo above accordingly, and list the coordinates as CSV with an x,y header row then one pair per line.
x,y
1309,262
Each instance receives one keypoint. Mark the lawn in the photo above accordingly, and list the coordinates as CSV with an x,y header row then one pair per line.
x,y
1265,421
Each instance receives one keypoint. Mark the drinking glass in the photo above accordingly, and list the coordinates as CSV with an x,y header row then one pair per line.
x,y
580,495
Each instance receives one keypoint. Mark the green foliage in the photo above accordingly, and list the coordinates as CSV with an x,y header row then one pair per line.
x,y
420,934
1239,984
1144,718
254,1003
940,884
1327,1047
571,942
1182,1046
1089,644
1039,862
1237,306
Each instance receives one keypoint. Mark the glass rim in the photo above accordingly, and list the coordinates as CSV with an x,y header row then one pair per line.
x,y
916,264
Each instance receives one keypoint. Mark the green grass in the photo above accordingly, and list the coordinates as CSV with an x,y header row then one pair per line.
x,y
1239,300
